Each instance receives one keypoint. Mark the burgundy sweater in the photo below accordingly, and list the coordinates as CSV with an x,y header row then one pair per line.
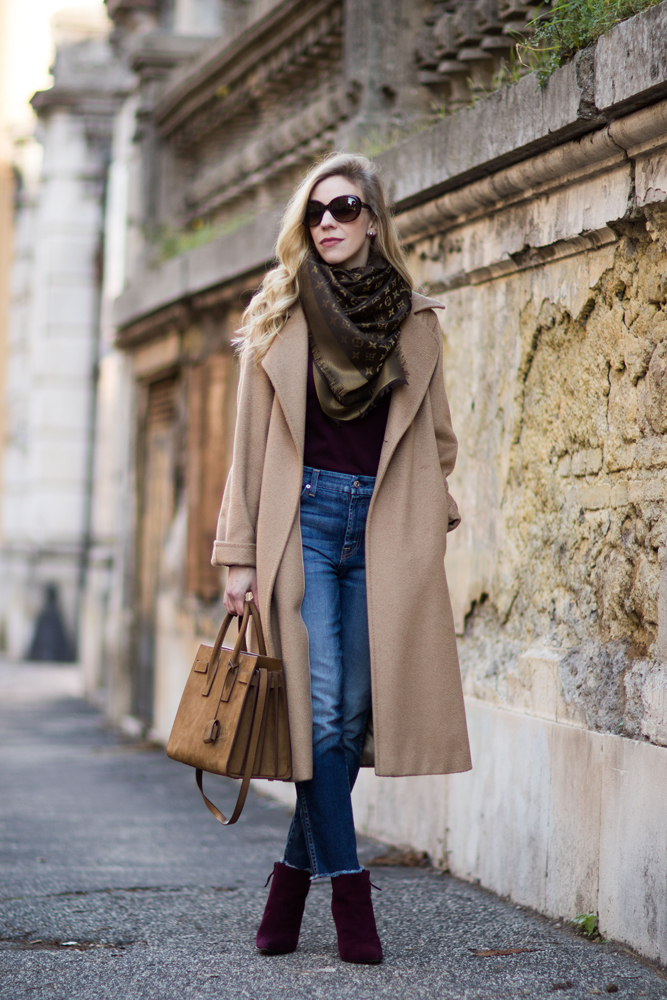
x,y
352,447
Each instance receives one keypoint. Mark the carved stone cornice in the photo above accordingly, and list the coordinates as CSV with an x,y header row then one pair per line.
x,y
156,53
97,111
298,139
195,272
268,55
173,317
87,103
466,41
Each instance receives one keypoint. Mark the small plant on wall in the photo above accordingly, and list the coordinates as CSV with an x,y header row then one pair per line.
x,y
564,27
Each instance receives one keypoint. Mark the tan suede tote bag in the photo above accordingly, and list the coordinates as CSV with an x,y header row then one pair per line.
x,y
232,719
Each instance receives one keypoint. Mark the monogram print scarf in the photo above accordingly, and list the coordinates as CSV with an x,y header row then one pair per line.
x,y
354,319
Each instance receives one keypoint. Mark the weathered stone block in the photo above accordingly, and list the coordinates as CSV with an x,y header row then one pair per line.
x,y
593,461
404,811
652,452
595,497
534,685
633,846
574,822
656,291
620,80
619,495
647,491
656,385
661,643
579,463
489,838
643,597
651,179
636,353
654,698
523,116
618,456
469,575
565,465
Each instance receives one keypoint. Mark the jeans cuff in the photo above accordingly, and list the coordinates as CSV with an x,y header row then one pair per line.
x,y
288,865
354,871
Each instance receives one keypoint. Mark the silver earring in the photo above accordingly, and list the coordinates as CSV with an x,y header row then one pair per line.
x,y
369,233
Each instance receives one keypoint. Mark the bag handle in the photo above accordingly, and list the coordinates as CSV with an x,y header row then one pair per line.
x,y
257,720
220,638
214,659
250,608
257,622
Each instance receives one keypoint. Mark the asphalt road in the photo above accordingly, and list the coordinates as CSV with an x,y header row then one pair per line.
x,y
116,883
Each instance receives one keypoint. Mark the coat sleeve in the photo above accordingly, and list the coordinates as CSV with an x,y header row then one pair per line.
x,y
235,540
444,432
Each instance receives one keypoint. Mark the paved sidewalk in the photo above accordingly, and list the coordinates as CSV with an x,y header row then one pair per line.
x,y
116,883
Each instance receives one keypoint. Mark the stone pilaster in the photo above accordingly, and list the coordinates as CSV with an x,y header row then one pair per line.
x,y
380,72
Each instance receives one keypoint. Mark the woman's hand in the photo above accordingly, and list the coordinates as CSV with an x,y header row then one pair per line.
x,y
240,580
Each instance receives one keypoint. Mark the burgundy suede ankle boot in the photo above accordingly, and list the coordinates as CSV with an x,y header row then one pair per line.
x,y
353,915
279,930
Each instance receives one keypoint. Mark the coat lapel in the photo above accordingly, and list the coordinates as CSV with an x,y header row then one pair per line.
x,y
420,349
285,363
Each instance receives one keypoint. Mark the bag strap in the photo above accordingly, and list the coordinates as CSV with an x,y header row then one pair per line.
x,y
253,746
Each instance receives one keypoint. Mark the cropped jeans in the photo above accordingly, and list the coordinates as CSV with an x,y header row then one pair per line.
x,y
333,515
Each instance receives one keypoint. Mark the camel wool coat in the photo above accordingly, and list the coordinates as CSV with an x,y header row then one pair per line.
x,y
418,715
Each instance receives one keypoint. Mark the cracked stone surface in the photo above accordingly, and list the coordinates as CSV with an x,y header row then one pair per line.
x,y
560,404
116,883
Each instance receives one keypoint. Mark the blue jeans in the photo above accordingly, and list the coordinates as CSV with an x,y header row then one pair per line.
x,y
334,508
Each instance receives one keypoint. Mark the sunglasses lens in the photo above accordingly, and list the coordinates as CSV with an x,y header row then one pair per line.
x,y
314,212
346,208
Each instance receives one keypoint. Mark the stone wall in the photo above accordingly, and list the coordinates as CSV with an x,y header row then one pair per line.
x,y
581,524
553,274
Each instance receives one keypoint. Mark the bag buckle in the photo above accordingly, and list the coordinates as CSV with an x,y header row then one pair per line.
x,y
212,731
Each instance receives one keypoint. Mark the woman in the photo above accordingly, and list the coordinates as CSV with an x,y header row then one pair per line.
x,y
335,517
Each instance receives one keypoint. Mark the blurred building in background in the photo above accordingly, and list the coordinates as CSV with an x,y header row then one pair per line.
x,y
51,347
539,216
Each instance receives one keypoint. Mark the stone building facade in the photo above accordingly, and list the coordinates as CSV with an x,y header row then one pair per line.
x,y
539,217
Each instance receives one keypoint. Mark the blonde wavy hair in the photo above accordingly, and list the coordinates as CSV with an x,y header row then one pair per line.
x,y
270,306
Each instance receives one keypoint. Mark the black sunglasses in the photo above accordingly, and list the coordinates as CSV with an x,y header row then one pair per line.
x,y
344,208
